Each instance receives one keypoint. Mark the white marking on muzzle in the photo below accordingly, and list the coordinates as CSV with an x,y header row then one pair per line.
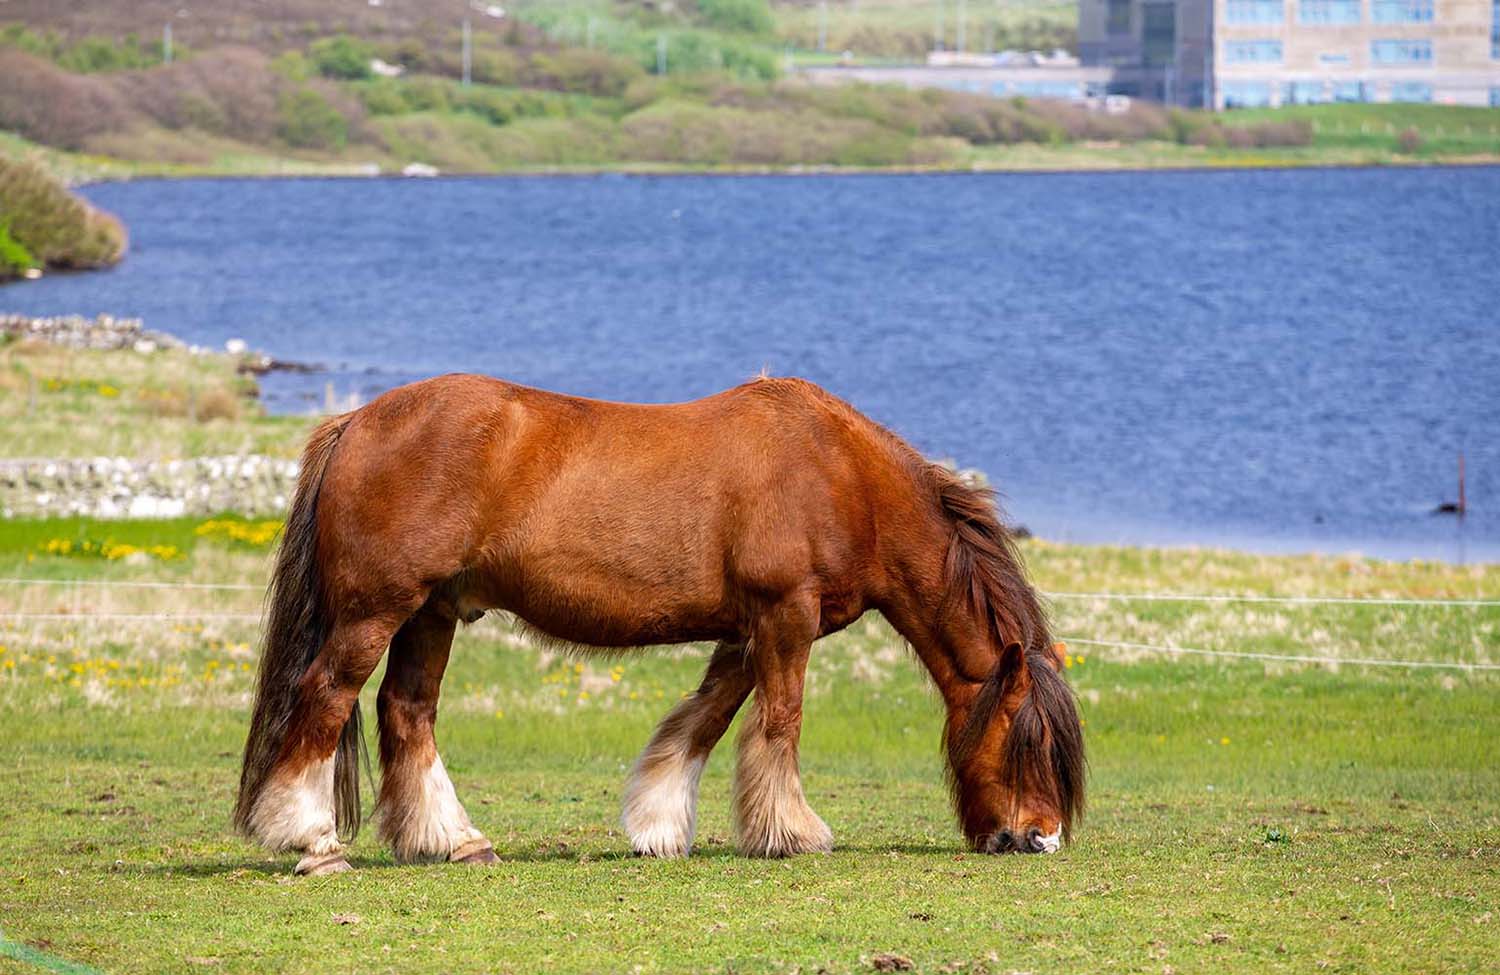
x,y
1052,842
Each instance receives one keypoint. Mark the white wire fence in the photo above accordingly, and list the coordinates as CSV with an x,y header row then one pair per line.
x,y
81,616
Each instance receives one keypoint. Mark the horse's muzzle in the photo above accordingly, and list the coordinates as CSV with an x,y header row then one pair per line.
x,y
1033,840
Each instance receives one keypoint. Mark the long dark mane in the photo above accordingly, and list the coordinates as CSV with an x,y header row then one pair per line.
x,y
1044,744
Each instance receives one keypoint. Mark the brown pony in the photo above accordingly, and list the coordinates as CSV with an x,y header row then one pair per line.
x,y
761,518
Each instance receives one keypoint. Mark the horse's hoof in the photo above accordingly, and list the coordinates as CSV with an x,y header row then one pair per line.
x,y
322,865
477,851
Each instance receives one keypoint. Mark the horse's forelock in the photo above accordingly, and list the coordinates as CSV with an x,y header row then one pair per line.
x,y
1044,743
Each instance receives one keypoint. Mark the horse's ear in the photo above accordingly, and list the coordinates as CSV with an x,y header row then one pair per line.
x,y
1012,660
1059,656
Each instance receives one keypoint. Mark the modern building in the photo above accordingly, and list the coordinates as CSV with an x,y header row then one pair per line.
x,y
1232,53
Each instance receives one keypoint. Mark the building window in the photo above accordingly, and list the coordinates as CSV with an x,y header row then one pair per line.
x,y
1495,30
1159,40
1401,52
1495,98
1246,94
1258,11
1333,59
1252,52
1303,93
1328,11
1401,11
1350,91
1411,91
1118,17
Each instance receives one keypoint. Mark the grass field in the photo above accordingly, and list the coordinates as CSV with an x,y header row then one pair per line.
x,y
169,404
1245,816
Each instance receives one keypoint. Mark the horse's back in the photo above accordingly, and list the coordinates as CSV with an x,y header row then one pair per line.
x,y
572,508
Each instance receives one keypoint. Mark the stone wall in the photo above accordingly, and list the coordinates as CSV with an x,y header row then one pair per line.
x,y
104,332
117,487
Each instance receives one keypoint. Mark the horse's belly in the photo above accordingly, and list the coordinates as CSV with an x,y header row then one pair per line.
x,y
600,603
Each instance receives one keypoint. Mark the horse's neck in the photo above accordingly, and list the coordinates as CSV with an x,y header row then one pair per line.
x,y
951,641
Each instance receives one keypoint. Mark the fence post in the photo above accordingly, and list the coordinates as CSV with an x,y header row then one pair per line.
x,y
468,52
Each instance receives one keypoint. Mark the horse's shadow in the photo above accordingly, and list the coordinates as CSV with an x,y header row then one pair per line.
x,y
374,864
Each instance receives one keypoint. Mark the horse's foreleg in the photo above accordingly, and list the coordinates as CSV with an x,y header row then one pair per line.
x,y
419,812
771,815
295,807
661,799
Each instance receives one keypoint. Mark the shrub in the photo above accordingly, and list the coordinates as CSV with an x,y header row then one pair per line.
x,y
342,57
293,66
308,121
48,105
15,259
54,227
749,16
217,404
1409,141
230,92
382,97
581,70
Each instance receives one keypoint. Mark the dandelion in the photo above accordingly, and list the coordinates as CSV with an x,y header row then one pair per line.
x,y
499,713
1223,741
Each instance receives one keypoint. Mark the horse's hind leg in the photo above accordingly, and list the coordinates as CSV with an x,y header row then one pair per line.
x,y
295,807
771,814
420,815
661,799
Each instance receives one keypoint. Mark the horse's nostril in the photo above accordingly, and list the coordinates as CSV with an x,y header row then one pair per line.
x,y
1005,842
1034,841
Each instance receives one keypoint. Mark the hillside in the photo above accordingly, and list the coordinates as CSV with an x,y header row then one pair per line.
x,y
284,86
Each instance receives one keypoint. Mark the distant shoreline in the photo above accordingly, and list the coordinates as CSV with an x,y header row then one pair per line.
x,y
671,170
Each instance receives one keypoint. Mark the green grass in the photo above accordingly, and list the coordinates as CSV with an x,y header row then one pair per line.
x,y
1243,816
169,404
1445,130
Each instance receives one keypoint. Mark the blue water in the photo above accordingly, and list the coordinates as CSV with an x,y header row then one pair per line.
x,y
1277,361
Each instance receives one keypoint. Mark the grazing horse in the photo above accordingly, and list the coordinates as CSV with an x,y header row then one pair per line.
x,y
760,518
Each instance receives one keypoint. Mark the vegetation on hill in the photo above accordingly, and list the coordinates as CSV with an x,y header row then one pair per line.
x,y
581,84
42,224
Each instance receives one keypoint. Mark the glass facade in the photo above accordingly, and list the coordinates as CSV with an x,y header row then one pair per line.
x,y
1401,52
1246,94
1495,30
1411,91
1118,18
1350,91
1303,93
1328,11
1252,52
1160,33
1401,11
1258,11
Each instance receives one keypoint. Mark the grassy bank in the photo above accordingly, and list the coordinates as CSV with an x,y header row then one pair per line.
x,y
1244,816
167,404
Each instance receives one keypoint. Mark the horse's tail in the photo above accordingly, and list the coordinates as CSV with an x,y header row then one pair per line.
x,y
297,623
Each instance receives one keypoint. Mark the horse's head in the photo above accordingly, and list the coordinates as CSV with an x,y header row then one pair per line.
x,y
1017,761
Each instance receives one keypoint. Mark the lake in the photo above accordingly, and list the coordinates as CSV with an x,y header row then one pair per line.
x,y
1280,361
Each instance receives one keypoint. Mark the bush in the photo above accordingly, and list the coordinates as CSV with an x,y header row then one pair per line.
x,y
342,57
15,259
749,16
48,105
308,121
581,70
51,225
1409,141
